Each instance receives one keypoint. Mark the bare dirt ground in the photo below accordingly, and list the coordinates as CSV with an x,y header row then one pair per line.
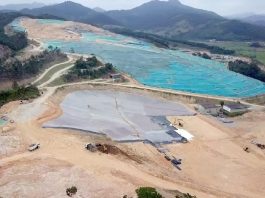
x,y
214,163
64,31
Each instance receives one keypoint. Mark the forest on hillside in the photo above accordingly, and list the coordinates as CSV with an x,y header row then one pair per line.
x,y
18,93
248,69
16,41
165,42
15,69
90,68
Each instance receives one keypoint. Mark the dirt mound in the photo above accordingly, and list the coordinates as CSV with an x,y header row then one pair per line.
x,y
113,150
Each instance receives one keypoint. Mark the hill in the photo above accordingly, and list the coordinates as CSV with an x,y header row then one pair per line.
x,y
255,19
98,9
17,7
173,19
14,42
74,12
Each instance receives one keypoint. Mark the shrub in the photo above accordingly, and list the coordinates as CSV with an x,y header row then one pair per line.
x,y
20,93
71,191
185,195
147,192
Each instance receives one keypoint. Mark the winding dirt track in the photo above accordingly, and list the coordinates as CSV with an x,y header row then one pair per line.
x,y
56,75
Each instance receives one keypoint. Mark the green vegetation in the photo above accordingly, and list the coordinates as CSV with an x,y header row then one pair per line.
x,y
185,195
72,11
168,18
57,82
54,70
203,55
18,93
248,69
255,44
16,41
243,49
178,21
168,42
89,68
15,69
210,48
71,191
147,192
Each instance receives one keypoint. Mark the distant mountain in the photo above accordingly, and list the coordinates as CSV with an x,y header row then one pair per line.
x,y
255,19
17,7
173,19
167,18
74,12
240,16
98,9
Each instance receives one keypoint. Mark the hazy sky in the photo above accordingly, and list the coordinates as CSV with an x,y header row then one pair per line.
x,y
223,7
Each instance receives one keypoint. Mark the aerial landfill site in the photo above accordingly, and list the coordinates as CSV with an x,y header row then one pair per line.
x,y
96,129
105,136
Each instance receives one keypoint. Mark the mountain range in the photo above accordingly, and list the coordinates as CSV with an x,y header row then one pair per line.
x,y
17,7
255,19
74,12
166,18
98,9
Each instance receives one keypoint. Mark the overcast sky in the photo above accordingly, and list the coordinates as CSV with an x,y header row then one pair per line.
x,y
223,7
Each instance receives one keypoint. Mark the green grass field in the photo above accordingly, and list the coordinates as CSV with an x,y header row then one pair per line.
x,y
57,82
47,76
243,48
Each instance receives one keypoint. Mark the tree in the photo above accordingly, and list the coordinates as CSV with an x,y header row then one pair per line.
x,y
205,56
15,85
255,44
16,69
109,66
248,69
71,191
50,47
185,195
72,50
147,192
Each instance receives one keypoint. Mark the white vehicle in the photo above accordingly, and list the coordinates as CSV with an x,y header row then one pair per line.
x,y
33,147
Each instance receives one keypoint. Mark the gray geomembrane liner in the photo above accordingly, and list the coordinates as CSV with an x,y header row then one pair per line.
x,y
119,115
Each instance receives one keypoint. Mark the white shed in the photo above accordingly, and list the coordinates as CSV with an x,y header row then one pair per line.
x,y
235,108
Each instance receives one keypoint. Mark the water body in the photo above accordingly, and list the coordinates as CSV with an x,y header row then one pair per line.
x,y
2,122
163,68
50,21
